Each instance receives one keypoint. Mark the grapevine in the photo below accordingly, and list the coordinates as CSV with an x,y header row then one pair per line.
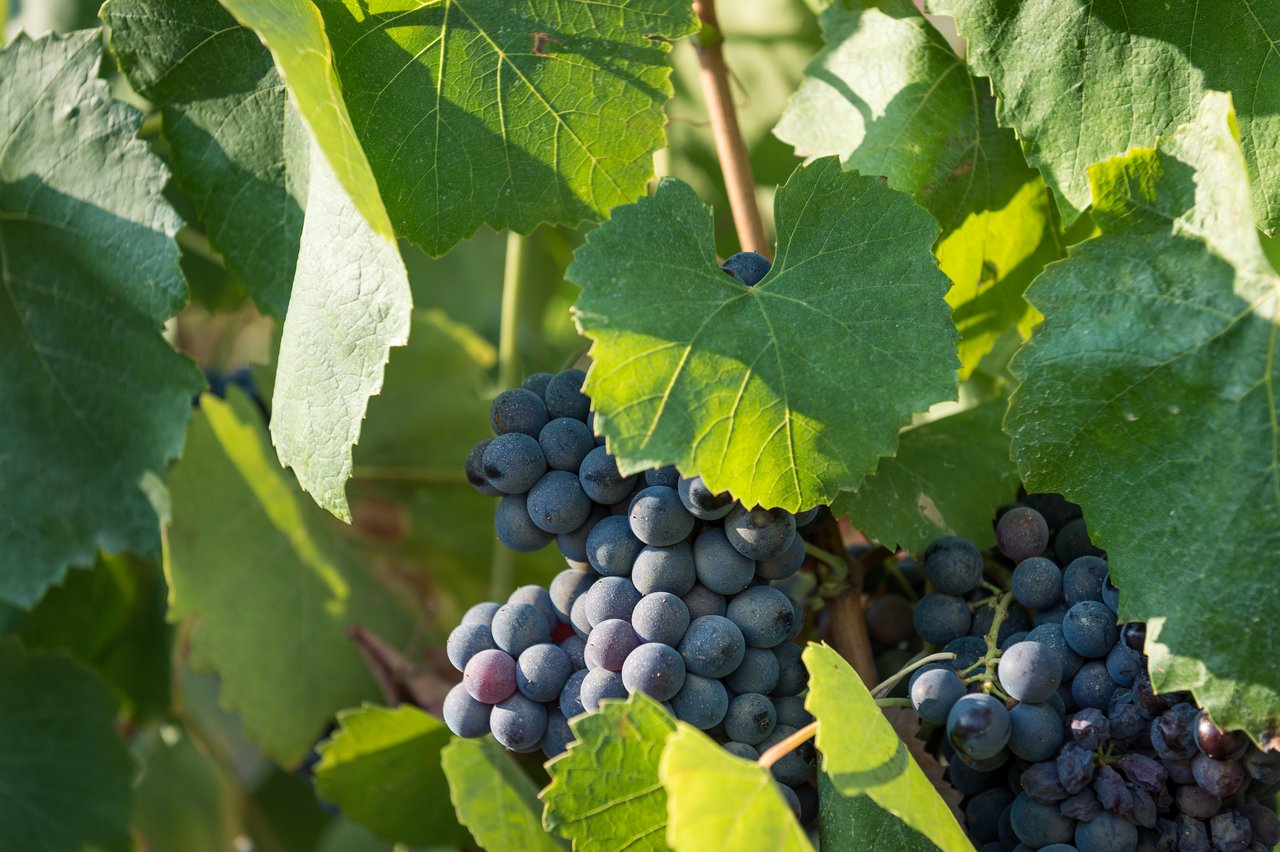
x,y
565,425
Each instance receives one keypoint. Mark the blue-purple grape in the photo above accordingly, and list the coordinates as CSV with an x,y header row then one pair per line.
x,y
518,410
464,715
659,518
759,533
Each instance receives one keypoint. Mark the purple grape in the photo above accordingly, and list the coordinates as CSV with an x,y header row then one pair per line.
x,y
464,715
978,726
1220,778
1030,672
490,676
518,723
611,641
467,640
1218,744
541,672
1022,533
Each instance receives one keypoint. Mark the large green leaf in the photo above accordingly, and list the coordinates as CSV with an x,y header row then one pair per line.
x,y
240,525
890,97
862,754
506,114
1080,82
604,793
95,400
774,392
351,302
382,769
494,798
948,478
718,801
1149,397
236,144
64,772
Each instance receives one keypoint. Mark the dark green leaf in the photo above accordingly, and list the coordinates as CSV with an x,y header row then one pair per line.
x,y
487,112
95,400
65,775
773,392
948,478
240,523
237,147
493,798
182,799
718,801
1149,397
382,769
604,793
1089,81
112,619
862,754
351,301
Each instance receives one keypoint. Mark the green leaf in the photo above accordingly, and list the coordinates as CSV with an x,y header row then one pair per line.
x,y
856,823
239,523
604,792
112,619
948,478
237,148
493,798
890,97
382,768
718,801
1083,83
861,753
1149,397
351,301
65,774
96,402
486,112
773,392
182,799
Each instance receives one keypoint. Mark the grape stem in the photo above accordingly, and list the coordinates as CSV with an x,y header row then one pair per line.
x,y
730,147
984,668
884,687
839,569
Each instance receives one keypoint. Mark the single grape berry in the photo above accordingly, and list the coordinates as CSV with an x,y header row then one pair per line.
x,y
518,410
517,626
1090,629
475,470
601,480
759,533
746,267
1217,743
701,501
659,518
655,669
662,617
934,692
978,726
785,564
564,396
598,685
1030,672
565,442
1035,732
518,723
537,382
611,548
513,463
1022,533
713,646
751,717
611,597
701,701
1037,583
940,618
541,672
467,640
1082,580
889,619
515,528
611,641
719,566
490,676
668,476
464,715
557,503
954,565
763,614
758,672
664,569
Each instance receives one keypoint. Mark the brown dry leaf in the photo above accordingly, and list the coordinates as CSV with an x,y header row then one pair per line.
x,y
907,725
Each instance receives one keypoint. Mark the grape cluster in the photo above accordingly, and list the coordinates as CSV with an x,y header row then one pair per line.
x,y
1047,715
671,589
